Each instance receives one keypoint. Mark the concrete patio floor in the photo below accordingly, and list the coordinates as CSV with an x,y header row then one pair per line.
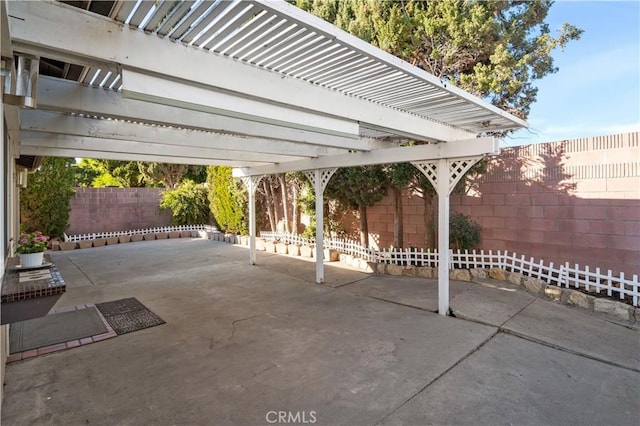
x,y
243,342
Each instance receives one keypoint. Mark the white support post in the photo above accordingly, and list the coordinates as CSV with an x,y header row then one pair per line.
x,y
443,237
252,223
319,179
444,174
3,195
319,193
251,182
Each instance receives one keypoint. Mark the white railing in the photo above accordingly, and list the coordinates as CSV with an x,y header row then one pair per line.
x,y
96,235
563,275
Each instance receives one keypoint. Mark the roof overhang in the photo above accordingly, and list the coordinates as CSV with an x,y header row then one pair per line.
x,y
259,85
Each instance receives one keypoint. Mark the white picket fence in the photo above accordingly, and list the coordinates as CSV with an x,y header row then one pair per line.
x,y
563,275
96,235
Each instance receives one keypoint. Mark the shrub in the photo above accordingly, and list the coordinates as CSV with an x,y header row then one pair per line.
x,y
45,203
464,233
188,203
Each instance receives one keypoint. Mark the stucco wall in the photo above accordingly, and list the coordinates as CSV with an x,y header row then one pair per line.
x,y
115,209
575,201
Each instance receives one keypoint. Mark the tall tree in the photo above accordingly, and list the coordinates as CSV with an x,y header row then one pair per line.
x,y
100,173
228,200
358,188
400,175
167,174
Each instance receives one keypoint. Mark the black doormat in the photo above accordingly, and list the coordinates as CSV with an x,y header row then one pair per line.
x,y
127,315
55,328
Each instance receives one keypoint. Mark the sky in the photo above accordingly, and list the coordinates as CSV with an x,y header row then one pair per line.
x,y
596,90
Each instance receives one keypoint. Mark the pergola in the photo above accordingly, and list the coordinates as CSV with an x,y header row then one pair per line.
x,y
258,85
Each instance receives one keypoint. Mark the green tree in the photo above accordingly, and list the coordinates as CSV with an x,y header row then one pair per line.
x,y
358,188
44,203
165,174
400,175
493,49
188,203
228,200
101,173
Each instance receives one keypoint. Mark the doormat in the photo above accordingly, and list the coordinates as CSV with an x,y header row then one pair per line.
x,y
55,328
128,315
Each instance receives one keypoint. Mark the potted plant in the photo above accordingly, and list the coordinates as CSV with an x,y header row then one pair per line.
x,y
31,247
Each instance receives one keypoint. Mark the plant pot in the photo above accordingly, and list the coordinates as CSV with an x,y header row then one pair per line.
x,y
31,260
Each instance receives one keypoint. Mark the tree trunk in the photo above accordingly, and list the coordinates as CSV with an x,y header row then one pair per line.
x,y
429,221
398,225
268,205
295,220
364,226
274,206
285,201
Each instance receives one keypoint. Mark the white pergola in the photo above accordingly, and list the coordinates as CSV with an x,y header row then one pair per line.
x,y
258,85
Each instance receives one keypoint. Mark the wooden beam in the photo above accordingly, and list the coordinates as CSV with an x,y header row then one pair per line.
x,y
103,144
68,96
64,124
457,149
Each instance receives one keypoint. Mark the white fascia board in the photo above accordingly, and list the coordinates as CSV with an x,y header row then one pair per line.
x,y
68,96
64,124
457,149
321,26
178,94
43,27
95,144
103,155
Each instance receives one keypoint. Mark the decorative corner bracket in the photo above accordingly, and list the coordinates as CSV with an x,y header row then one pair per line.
x,y
455,169
325,175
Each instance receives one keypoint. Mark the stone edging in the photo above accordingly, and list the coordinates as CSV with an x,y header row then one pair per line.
x,y
567,296
99,242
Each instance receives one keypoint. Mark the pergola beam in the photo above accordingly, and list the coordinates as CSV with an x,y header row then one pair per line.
x,y
64,124
461,148
98,144
35,28
179,94
68,96
104,155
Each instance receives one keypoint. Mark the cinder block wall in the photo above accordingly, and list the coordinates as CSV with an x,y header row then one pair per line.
x,y
575,201
115,209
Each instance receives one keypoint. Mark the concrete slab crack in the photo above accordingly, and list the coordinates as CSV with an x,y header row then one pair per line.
x,y
79,268
264,370
234,322
474,350
567,350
